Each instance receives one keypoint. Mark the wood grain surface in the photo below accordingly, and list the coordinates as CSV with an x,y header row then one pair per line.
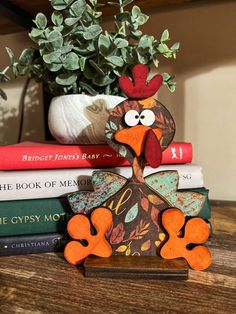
x,y
144,267
45,283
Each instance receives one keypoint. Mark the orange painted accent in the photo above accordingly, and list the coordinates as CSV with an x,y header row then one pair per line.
x,y
196,232
135,137
158,133
148,103
79,229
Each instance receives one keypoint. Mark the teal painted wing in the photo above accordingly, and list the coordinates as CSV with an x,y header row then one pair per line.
x,y
165,183
105,185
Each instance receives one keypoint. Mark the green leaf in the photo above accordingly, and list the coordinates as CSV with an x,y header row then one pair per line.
x,y
165,35
128,56
57,18
3,95
136,11
175,47
146,41
163,48
88,72
143,59
88,88
65,49
66,79
115,4
121,43
117,61
11,55
15,69
96,67
136,34
104,45
132,213
92,32
93,2
41,21
124,17
56,39
4,78
54,67
103,80
142,19
59,4
126,2
166,76
71,21
52,57
35,32
82,62
171,88
156,62
58,28
26,57
71,61
78,8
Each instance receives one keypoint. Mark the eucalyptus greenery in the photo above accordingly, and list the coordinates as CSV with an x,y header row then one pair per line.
x,y
74,54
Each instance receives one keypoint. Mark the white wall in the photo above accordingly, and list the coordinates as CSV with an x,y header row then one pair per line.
x,y
10,109
204,103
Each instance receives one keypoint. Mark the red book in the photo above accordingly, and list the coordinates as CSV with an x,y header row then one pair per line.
x,y
32,155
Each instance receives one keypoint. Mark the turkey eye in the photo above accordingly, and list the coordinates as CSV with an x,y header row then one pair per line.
x,y
147,117
131,118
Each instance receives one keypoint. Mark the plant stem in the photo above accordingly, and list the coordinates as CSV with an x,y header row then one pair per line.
x,y
122,11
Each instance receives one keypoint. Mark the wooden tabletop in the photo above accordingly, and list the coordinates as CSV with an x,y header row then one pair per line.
x,y
45,283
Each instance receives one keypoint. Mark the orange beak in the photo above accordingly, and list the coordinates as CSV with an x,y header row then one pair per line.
x,y
143,139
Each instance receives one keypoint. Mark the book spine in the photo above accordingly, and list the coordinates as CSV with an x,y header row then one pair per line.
x,y
31,244
23,157
30,184
34,216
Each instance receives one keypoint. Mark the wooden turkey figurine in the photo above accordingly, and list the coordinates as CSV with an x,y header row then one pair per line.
x,y
139,129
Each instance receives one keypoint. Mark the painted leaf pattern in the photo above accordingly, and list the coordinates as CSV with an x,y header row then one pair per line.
x,y
132,213
117,112
121,248
131,105
144,204
154,199
109,230
140,231
123,150
146,245
154,215
117,234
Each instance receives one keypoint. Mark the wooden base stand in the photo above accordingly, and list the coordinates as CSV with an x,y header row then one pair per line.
x,y
145,267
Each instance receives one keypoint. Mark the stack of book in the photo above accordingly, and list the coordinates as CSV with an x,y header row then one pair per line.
x,y
36,177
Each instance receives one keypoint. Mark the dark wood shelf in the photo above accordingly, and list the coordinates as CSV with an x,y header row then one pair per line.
x,y
17,15
45,283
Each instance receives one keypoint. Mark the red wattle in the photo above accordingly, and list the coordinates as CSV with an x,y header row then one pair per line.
x,y
152,150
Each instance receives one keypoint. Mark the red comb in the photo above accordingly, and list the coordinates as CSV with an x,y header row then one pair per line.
x,y
139,88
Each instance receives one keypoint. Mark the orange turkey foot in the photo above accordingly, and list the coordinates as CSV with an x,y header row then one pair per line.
x,y
79,228
196,231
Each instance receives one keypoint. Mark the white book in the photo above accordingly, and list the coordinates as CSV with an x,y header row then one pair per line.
x,y
49,183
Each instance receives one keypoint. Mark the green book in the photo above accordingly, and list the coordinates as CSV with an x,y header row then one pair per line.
x,y
205,212
34,216
50,215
